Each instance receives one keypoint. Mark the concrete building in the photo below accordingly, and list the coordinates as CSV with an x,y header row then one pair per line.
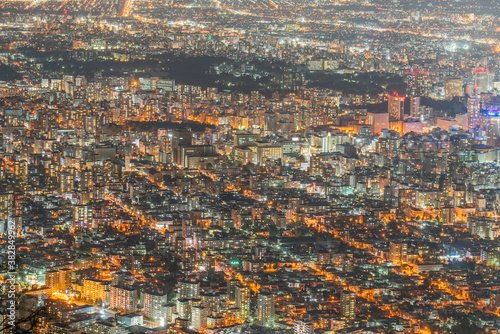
x,y
303,326
453,86
153,305
348,305
198,318
265,310
396,107
242,296
124,299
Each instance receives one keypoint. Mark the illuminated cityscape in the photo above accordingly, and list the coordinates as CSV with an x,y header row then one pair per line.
x,y
250,166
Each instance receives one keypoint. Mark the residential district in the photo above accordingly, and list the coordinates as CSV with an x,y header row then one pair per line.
x,y
227,167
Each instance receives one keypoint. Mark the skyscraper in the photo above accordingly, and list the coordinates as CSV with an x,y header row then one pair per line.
x,y
415,107
396,107
453,86
491,121
179,138
265,310
417,83
473,112
348,305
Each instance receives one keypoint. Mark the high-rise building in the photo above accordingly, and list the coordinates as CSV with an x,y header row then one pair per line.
x,y
66,180
242,296
267,152
83,217
265,309
180,138
415,107
378,121
231,289
183,308
396,107
473,113
118,277
64,279
418,83
348,263
188,290
153,305
58,280
52,280
453,86
316,165
94,290
348,305
124,299
86,180
169,313
490,119
198,318
398,253
482,80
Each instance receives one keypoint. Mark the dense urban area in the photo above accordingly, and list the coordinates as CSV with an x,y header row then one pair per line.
x,y
249,166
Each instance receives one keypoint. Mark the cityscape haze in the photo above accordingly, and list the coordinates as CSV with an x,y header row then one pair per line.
x,y
249,166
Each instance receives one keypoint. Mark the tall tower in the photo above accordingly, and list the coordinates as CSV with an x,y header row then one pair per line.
x,y
348,305
415,107
198,318
491,121
417,83
64,279
473,112
242,296
231,289
396,107
52,280
265,310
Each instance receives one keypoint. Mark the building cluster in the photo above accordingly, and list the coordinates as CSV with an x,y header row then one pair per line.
x,y
142,204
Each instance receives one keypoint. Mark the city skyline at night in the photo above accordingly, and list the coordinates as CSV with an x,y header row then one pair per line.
x,y
243,167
